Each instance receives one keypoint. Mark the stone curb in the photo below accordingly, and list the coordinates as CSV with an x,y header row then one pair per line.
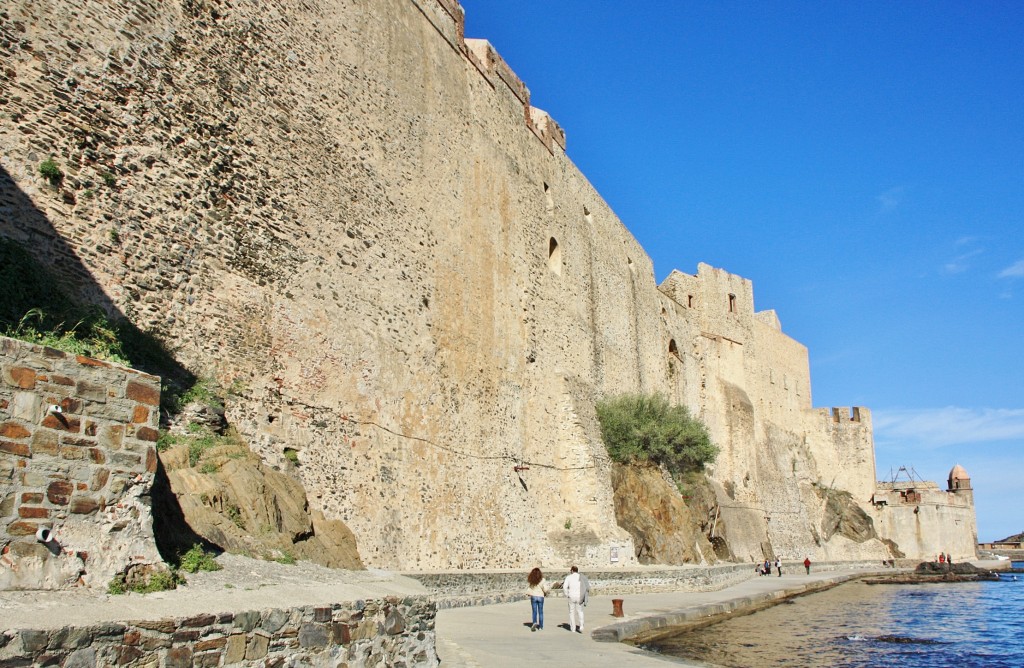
x,y
645,629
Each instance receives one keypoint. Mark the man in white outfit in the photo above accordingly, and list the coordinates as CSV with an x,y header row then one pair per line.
x,y
576,589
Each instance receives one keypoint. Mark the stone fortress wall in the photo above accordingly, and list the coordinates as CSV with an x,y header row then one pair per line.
x,y
926,520
355,214
77,461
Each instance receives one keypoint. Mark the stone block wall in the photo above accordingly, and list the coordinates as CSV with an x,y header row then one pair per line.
x,y
77,459
459,589
925,520
391,632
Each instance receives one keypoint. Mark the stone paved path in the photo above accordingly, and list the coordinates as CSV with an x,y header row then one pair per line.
x,y
498,636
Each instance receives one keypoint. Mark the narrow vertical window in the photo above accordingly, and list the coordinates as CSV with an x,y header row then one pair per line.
x,y
732,303
554,256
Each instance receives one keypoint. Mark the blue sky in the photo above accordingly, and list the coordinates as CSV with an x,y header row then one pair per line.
x,y
861,162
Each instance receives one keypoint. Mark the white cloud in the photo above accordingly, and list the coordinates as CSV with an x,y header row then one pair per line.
x,y
961,262
929,428
891,198
1015,270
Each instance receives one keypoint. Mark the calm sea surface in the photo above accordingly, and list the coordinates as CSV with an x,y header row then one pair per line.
x,y
858,626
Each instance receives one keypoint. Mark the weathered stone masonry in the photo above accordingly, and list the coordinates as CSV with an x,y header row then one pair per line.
x,y
354,213
77,459
391,631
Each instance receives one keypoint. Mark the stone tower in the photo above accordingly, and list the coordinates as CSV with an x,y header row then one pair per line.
x,y
960,483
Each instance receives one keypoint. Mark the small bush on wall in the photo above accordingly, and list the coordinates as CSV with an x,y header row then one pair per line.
x,y
49,170
639,428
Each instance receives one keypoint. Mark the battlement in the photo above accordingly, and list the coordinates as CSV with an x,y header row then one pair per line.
x,y
883,485
449,19
915,493
845,414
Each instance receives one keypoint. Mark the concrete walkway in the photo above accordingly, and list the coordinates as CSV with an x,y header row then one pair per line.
x,y
499,636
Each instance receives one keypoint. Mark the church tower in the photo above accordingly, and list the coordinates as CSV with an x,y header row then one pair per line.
x,y
960,483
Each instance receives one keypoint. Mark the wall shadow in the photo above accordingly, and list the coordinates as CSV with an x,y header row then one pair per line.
x,y
42,275
44,285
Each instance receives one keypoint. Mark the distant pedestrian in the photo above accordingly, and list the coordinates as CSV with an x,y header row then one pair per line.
x,y
767,568
949,558
807,564
576,588
538,589
942,558
778,565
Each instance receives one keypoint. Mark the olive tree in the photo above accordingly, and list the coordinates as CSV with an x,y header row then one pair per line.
x,y
647,428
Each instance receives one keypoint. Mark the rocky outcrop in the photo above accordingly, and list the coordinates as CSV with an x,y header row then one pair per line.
x,y
230,498
932,571
844,517
665,529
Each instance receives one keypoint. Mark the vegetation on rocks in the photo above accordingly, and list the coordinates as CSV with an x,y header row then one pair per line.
x,y
157,581
49,170
640,428
197,559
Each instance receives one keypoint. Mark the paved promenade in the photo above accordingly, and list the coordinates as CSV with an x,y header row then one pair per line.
x,y
499,636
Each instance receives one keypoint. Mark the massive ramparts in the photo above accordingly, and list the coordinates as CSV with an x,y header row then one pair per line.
x,y
355,217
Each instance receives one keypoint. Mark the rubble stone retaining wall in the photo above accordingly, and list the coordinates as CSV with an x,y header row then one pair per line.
x,y
460,589
391,631
77,460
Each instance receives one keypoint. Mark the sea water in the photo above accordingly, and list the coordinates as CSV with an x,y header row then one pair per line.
x,y
857,625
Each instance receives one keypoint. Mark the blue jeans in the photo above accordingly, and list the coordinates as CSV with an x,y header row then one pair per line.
x,y
537,604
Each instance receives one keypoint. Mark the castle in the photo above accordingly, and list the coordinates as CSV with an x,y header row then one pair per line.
x,y
353,214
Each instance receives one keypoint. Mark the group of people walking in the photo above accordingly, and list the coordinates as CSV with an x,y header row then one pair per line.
x,y
766,567
577,590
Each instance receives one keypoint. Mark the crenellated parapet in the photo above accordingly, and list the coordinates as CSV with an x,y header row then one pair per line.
x,y
844,414
490,63
546,129
449,19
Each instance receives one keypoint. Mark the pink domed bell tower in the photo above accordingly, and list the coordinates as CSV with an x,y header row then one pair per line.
x,y
960,482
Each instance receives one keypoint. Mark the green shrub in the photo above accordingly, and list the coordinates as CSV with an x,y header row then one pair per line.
x,y
646,428
197,446
166,441
234,514
197,559
49,170
116,587
109,179
158,581
205,391
208,467
292,455
285,558
93,335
